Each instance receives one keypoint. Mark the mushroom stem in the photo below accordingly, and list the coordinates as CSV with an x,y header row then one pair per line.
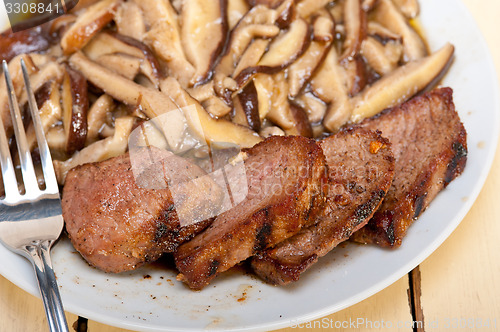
x,y
402,84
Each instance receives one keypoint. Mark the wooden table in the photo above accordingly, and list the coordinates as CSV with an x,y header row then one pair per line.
x,y
459,282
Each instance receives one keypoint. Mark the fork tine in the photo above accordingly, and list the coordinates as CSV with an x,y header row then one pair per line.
x,y
28,171
8,174
45,157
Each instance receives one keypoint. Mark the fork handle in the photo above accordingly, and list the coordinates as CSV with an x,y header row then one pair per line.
x,y
40,256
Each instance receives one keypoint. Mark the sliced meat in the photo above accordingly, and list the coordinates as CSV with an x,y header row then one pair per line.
x,y
284,177
430,146
119,219
361,168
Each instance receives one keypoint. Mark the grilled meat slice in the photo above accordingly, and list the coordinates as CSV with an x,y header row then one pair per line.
x,y
285,176
361,168
430,146
118,220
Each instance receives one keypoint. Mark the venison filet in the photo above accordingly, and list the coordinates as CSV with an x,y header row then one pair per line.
x,y
430,146
119,220
285,176
361,168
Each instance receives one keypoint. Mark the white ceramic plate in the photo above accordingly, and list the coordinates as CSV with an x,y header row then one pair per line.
x,y
238,302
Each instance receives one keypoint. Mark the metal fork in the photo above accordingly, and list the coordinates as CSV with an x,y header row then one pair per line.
x,y
31,222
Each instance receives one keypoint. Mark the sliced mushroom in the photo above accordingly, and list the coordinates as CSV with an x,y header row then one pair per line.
x,y
216,106
122,89
236,9
241,37
205,127
290,118
149,136
60,25
248,99
238,115
267,3
177,5
286,13
368,5
282,52
149,66
152,102
75,105
98,151
272,131
315,107
106,131
56,140
338,114
122,64
38,78
17,80
97,115
355,27
205,94
203,34
49,110
279,111
301,70
130,21
252,55
329,83
264,85
382,33
117,44
258,22
172,124
324,27
402,84
409,8
382,58
356,74
306,8
287,47
202,92
389,16
88,24
302,126
337,12
50,71
106,43
164,37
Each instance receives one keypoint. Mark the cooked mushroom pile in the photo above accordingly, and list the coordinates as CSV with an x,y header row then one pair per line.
x,y
249,69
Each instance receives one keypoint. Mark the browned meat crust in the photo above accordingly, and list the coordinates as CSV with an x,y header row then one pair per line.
x,y
430,146
285,176
118,225
361,168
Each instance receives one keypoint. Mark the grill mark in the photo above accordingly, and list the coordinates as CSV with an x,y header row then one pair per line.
x,y
459,157
160,232
214,266
262,235
390,232
365,210
419,204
